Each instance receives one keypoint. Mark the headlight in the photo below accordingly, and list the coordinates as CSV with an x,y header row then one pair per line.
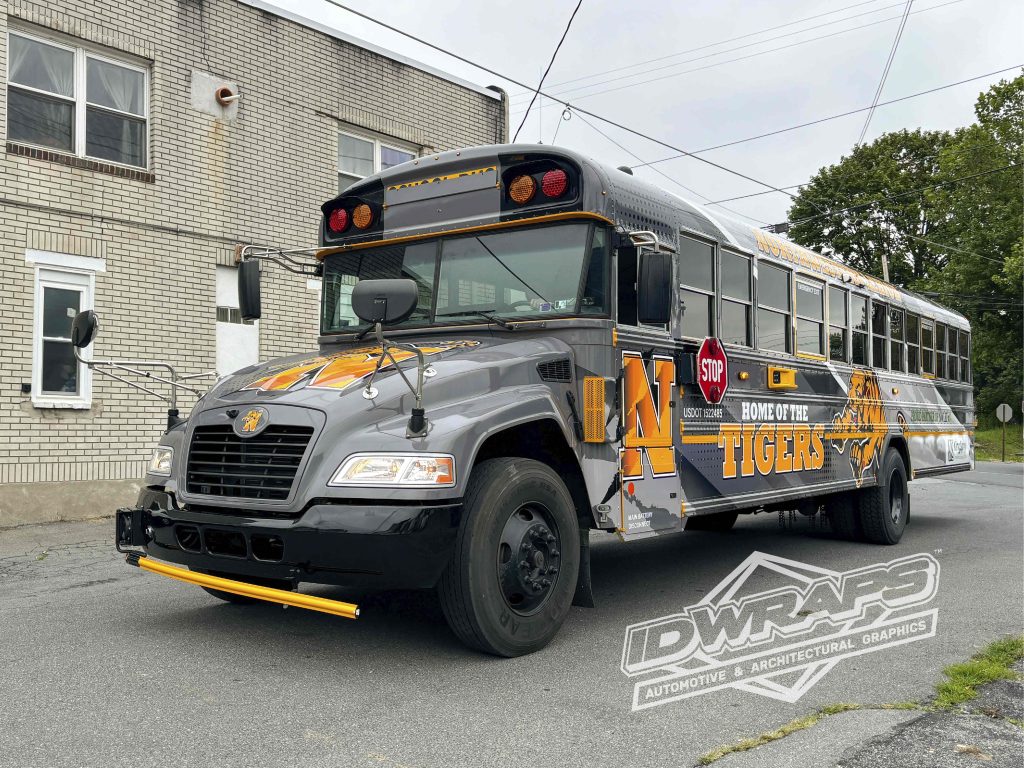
x,y
160,461
426,470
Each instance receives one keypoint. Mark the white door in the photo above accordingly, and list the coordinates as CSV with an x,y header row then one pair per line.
x,y
238,342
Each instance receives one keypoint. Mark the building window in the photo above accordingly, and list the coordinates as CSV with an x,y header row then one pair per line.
x,y
64,286
810,318
74,100
913,344
697,287
838,323
859,329
238,340
773,308
735,327
360,156
895,339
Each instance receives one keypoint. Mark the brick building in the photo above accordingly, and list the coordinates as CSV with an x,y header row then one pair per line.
x,y
125,184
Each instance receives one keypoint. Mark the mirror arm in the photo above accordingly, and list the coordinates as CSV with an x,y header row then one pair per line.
x,y
417,426
283,258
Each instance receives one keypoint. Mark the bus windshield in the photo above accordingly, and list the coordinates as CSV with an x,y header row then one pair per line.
x,y
553,270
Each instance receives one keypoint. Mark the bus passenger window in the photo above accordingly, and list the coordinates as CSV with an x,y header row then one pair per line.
x,y
965,357
927,346
940,351
773,307
838,323
913,344
878,345
895,339
810,316
952,361
626,284
595,291
697,287
735,299
859,327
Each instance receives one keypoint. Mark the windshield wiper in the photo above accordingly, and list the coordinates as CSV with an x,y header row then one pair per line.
x,y
487,314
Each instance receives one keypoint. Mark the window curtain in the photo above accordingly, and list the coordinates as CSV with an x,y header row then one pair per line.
x,y
42,66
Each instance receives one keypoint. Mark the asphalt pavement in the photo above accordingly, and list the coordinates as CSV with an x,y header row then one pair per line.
x,y
103,665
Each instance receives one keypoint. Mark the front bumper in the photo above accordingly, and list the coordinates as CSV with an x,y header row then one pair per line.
x,y
377,546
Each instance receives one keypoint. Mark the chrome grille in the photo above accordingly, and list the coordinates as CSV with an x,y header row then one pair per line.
x,y
220,463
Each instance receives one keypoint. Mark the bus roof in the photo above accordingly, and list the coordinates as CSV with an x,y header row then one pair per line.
x,y
637,204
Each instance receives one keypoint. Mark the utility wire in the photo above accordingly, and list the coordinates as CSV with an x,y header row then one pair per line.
x,y
830,117
563,92
728,40
550,63
885,72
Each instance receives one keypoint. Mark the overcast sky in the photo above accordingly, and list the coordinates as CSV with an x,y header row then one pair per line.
x,y
780,82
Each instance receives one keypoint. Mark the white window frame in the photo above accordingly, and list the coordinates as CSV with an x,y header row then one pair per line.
x,y
82,53
64,271
378,143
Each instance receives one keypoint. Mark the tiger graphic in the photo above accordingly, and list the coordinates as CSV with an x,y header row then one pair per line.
x,y
861,423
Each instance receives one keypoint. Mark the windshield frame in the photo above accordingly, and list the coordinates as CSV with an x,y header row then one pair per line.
x,y
470,317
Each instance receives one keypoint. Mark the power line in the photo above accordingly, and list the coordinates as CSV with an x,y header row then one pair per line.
x,y
550,63
562,94
577,110
831,117
885,71
729,40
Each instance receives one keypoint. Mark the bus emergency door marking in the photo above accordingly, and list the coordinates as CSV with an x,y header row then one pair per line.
x,y
646,404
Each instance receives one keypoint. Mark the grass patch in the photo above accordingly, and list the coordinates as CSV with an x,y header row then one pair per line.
x,y
993,663
988,445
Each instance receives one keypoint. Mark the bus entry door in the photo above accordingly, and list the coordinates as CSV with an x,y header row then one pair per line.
x,y
649,490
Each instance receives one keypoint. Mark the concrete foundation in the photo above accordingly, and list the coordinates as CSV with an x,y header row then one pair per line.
x,y
32,503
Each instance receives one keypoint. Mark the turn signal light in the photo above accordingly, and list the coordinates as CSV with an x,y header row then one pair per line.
x,y
522,189
362,216
338,220
554,183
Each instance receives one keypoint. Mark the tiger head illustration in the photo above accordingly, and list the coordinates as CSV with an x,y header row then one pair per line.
x,y
861,423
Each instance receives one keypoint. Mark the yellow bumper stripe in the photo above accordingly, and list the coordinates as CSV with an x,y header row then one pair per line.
x,y
284,597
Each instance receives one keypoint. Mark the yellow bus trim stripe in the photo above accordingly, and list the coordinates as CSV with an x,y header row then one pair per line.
x,y
284,597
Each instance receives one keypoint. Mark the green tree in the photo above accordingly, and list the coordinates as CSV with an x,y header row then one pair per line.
x,y
948,210
867,204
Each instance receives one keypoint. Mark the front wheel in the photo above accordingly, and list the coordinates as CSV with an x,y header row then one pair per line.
x,y
885,508
512,576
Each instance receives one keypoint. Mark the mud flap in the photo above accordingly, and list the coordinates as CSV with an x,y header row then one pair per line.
x,y
584,597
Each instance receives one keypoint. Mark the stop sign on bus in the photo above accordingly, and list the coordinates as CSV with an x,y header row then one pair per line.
x,y
712,370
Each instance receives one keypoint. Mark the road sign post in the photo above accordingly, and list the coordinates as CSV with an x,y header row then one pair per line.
x,y
712,371
1004,413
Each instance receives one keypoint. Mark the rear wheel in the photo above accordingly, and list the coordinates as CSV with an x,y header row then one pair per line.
x,y
512,576
718,522
885,508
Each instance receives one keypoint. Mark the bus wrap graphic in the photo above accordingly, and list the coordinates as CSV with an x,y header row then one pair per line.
x,y
646,403
778,642
861,423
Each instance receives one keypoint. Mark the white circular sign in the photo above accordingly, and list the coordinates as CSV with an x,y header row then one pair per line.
x,y
1004,412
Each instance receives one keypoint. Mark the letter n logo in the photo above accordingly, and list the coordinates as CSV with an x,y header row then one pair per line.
x,y
645,407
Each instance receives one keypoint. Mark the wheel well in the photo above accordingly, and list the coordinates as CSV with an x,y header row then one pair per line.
x,y
543,441
900,444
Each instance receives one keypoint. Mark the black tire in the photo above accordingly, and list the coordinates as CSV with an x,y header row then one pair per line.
x,y
231,597
885,508
717,522
843,516
494,601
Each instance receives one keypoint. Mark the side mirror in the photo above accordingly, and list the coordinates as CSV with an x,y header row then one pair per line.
x,y
384,301
249,290
654,288
84,329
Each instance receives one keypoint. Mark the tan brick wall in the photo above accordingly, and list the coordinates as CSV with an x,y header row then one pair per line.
x,y
259,178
